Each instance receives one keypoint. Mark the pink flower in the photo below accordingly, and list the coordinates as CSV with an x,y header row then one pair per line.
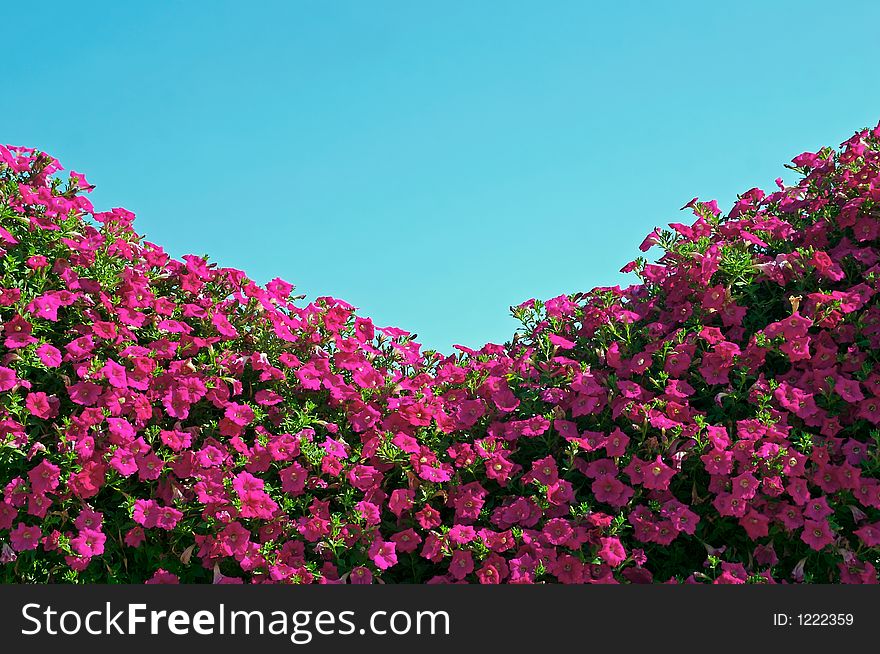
x,y
817,509
309,377
293,479
18,333
240,414
797,349
682,518
755,524
234,539
364,477
149,466
167,517
134,537
612,491
817,535
145,512
401,501
615,444
116,374
657,475
406,541
49,355
490,574
428,517
257,504
744,486
612,551
88,519
369,512
544,471
869,409
223,326
44,477
88,543
558,531
568,570
162,576
461,534
41,405
869,534
383,554
8,379
560,342
361,575
462,564
124,462
38,505
36,262
245,482
25,538
45,307
718,462
84,393
176,440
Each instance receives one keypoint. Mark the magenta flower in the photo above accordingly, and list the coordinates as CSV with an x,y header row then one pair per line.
x,y
657,475
461,565
383,554
49,355
406,541
361,575
612,491
44,477
817,535
145,512
18,333
293,479
163,577
8,379
612,551
25,538
88,543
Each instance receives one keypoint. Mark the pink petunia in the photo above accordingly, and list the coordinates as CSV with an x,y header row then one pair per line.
x,y
240,414
616,443
361,575
88,542
462,564
612,551
18,333
49,355
25,538
817,535
293,479
44,477
167,517
383,554
8,379
162,576
657,475
612,491
406,541
41,405
84,393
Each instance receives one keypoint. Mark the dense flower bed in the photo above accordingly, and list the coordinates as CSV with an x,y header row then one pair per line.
x,y
165,420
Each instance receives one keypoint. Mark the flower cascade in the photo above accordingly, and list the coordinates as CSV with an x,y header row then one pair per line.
x,y
167,421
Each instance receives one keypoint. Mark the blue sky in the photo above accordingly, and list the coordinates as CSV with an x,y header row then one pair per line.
x,y
431,162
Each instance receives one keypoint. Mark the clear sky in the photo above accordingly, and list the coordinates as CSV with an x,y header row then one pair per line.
x,y
431,162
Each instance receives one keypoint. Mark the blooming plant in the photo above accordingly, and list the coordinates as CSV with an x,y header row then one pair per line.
x,y
167,421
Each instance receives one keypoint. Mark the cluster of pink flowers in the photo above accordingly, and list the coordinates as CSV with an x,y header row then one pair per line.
x,y
168,421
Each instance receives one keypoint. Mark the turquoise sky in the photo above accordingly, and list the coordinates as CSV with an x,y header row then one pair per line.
x,y
431,162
